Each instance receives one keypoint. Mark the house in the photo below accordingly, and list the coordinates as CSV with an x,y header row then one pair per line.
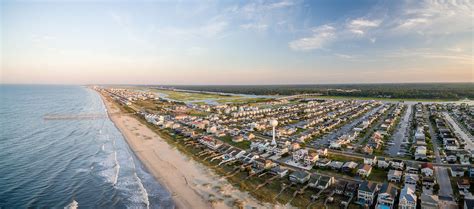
x,y
471,172
427,169
407,198
428,182
366,193
457,171
383,162
364,170
324,182
279,171
469,202
411,178
336,165
394,175
370,160
420,153
351,189
412,167
300,177
323,162
340,187
349,166
314,180
397,164
463,184
386,197
238,138
429,201
262,163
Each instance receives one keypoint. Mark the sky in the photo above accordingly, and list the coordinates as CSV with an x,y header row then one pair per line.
x,y
236,42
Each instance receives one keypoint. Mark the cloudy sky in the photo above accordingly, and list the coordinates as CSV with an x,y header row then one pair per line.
x,y
236,42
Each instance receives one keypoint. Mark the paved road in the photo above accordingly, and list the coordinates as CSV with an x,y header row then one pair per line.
x,y
362,156
345,128
399,135
460,132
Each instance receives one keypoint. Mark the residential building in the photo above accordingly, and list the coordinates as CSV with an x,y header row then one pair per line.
x,y
407,198
300,177
366,193
427,169
364,170
394,175
386,197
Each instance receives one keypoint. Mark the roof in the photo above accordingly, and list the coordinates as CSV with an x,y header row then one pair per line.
x,y
394,173
365,167
368,186
427,165
299,174
390,189
408,193
469,202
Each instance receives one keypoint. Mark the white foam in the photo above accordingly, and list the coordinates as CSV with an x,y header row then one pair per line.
x,y
117,168
73,205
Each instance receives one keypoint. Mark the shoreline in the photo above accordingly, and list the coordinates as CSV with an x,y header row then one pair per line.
x,y
190,184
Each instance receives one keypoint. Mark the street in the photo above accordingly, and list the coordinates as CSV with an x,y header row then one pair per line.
x,y
401,132
460,132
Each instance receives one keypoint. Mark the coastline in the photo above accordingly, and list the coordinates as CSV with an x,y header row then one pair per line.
x,y
191,184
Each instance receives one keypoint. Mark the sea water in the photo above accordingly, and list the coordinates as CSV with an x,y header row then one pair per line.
x,y
71,162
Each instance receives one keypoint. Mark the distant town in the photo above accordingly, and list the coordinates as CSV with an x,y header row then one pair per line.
x,y
311,152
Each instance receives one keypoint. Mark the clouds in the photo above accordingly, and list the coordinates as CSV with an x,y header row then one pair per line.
x,y
319,38
360,25
254,26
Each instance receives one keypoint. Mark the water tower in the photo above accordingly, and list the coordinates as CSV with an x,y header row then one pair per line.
x,y
273,123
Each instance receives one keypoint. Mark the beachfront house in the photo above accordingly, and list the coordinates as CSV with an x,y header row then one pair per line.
x,y
300,177
279,171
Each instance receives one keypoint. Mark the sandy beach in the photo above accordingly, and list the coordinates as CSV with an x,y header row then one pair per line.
x,y
192,185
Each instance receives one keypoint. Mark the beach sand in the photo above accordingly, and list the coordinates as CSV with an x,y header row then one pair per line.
x,y
191,184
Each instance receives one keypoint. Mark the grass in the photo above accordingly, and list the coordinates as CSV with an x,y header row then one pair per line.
x,y
242,145
378,175
198,97
385,99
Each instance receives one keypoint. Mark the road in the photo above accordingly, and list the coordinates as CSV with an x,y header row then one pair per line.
x,y
345,128
400,133
445,192
362,156
459,132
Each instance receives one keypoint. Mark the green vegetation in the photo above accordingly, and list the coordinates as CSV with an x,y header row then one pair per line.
x,y
407,91
242,145
197,98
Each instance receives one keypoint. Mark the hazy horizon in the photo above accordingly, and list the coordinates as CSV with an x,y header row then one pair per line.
x,y
280,42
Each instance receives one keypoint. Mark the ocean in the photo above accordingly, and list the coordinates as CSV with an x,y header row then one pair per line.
x,y
69,162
